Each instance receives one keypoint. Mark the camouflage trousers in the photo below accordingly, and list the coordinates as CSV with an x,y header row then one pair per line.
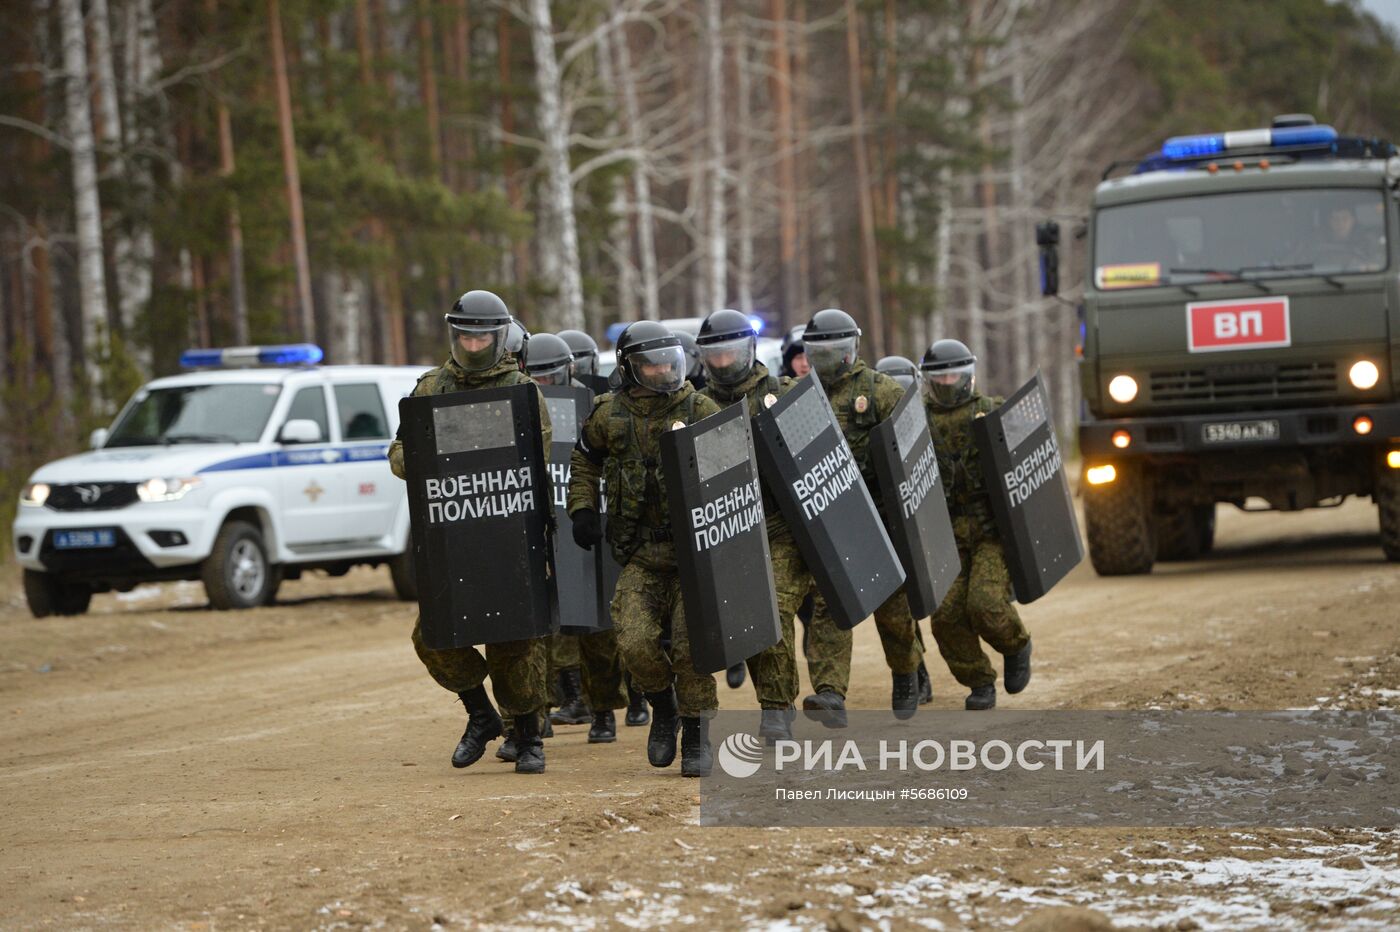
x,y
978,605
829,647
645,607
518,670
599,665
774,671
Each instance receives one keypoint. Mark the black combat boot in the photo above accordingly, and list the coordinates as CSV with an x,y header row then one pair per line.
x,y
696,759
734,676
483,726
661,740
573,708
1016,670
529,745
904,695
776,724
925,685
604,728
506,751
826,707
637,713
981,698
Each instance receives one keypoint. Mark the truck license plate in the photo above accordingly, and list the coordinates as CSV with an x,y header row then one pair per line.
x,y
1240,431
85,539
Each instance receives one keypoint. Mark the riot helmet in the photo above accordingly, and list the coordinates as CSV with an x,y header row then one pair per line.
x,y
899,368
650,356
585,350
949,373
832,343
517,336
548,359
477,326
728,347
694,372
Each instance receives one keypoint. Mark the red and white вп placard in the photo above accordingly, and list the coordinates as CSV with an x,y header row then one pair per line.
x,y
1247,323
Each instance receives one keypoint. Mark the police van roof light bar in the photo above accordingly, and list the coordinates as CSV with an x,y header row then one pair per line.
x,y
290,354
1194,147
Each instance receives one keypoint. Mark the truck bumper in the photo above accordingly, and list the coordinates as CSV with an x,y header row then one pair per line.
x,y
1217,433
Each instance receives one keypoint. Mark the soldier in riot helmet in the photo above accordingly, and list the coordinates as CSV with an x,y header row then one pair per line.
x,y
694,372
584,668
621,444
860,398
477,328
901,369
585,353
978,605
728,351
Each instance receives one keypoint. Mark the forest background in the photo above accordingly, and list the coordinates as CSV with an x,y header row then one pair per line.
x,y
187,173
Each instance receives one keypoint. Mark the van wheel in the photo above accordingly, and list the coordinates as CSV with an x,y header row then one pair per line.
x,y
402,572
1387,496
238,573
1119,525
47,595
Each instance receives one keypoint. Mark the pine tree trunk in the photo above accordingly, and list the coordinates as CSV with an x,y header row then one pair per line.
x,y
427,80
742,175
87,208
291,173
641,178
717,246
787,180
870,261
803,156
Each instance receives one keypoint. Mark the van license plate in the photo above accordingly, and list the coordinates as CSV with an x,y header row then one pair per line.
x,y
1240,431
84,540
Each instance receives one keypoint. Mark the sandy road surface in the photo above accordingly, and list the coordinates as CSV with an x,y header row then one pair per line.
x,y
166,766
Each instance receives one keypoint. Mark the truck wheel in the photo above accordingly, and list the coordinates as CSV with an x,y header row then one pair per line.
x,y
47,595
1387,498
238,573
405,581
1119,525
1181,534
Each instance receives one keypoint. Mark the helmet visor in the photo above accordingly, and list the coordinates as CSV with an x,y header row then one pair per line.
x,y
951,387
477,346
551,375
728,362
661,369
832,357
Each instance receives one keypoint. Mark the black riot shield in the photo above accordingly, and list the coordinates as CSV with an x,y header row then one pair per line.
x,y
577,572
609,570
716,507
803,455
916,511
478,498
1029,492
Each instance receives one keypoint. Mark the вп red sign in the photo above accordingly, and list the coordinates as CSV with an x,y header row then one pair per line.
x,y
1247,323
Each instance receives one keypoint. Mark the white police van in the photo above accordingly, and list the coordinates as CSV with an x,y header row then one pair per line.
x,y
251,470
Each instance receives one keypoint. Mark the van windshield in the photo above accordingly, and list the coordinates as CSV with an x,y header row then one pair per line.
x,y
1244,235
224,413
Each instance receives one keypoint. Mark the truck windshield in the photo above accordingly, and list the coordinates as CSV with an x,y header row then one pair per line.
x,y
225,413
1244,235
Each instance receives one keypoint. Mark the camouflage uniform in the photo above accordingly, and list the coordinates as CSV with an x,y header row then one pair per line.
x,y
774,671
621,443
862,398
517,668
595,655
979,602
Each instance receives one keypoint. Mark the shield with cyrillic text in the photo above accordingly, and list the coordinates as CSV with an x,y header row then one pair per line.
x,y
479,502
577,569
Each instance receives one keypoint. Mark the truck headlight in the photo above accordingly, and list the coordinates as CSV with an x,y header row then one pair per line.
x,y
1123,389
167,490
1364,374
35,493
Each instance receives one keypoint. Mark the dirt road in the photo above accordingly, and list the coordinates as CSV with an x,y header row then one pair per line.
x,y
162,765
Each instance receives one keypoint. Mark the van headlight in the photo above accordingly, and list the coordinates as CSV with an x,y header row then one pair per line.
x,y
167,490
1364,374
1123,389
35,493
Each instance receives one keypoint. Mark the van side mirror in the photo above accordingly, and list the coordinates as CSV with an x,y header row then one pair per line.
x,y
1047,237
300,430
98,438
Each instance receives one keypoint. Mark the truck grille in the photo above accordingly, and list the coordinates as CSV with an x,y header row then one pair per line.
x,y
1244,382
91,496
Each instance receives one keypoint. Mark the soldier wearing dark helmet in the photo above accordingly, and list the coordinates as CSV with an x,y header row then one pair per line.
x,y
901,369
477,328
861,398
620,443
728,351
694,372
978,605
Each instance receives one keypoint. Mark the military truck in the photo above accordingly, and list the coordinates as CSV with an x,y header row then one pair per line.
x,y
1240,337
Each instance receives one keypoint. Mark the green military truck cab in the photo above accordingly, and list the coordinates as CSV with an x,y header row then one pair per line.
x,y
1241,338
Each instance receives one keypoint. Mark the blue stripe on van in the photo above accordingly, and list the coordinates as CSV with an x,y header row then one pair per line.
x,y
317,456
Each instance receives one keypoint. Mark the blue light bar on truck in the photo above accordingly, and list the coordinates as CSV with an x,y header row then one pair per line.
x,y
1195,147
291,354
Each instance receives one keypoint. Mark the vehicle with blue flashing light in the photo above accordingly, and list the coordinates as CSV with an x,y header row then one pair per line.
x,y
1239,336
254,467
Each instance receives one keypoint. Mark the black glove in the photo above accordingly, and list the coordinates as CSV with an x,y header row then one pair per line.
x,y
588,529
